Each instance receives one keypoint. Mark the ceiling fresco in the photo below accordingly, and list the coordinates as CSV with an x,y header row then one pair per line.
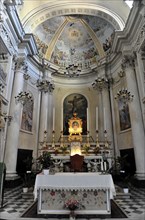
x,y
80,39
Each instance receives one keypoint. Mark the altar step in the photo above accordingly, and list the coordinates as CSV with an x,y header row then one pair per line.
x,y
28,195
120,194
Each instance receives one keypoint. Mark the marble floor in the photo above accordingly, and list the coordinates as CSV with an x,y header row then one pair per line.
x,y
133,207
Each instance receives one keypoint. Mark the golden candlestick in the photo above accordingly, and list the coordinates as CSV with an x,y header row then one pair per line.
x,y
53,139
61,139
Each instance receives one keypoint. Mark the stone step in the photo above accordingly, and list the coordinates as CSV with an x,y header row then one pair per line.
x,y
122,195
28,195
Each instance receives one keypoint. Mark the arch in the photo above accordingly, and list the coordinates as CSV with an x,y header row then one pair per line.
x,y
47,11
75,103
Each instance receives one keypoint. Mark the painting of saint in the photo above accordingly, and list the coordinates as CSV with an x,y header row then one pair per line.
x,y
75,103
124,116
27,117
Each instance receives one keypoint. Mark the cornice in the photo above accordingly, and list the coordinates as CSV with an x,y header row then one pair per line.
x,y
127,37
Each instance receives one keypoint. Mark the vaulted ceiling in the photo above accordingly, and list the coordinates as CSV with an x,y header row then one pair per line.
x,y
73,32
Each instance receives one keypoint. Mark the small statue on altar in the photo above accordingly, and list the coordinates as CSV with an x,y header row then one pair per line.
x,y
94,165
57,165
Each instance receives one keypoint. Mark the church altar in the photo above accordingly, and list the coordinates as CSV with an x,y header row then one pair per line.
x,y
93,191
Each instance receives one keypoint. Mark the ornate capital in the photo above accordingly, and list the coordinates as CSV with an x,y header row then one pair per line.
x,y
128,61
21,64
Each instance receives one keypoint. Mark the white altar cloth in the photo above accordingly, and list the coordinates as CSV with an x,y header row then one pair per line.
x,y
72,181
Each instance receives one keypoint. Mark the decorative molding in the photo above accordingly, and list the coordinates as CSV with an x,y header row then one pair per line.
x,y
2,74
34,20
127,61
140,41
5,41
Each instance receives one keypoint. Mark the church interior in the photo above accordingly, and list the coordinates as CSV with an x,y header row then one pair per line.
x,y
72,109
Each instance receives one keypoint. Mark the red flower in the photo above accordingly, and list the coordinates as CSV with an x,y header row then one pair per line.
x,y
52,193
72,204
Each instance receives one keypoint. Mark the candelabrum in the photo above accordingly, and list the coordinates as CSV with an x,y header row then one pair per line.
x,y
44,143
61,139
106,140
23,98
97,139
124,96
53,139
73,70
100,83
88,137
45,85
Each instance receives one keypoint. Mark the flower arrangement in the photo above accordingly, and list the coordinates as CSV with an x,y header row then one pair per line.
x,y
45,160
72,204
63,148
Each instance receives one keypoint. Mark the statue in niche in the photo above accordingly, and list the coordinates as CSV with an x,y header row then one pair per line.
x,y
27,116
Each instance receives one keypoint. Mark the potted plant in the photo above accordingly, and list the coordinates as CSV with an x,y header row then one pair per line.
x,y
63,149
45,160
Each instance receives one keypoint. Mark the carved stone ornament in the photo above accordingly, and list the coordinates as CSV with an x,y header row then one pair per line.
x,y
5,37
2,74
127,61
21,64
141,38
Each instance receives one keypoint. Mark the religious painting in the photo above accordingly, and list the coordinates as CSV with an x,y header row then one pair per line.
x,y
75,128
124,116
27,116
74,103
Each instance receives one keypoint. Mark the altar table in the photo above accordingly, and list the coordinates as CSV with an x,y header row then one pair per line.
x,y
92,190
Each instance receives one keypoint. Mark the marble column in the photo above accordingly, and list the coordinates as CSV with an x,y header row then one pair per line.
x,y
107,119
138,133
140,68
13,129
46,107
43,115
50,117
100,117
116,151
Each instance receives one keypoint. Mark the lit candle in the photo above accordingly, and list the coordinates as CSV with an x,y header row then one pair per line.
x,y
96,118
53,127
87,119
104,120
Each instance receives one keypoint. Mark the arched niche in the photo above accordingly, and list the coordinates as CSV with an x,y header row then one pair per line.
x,y
75,103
